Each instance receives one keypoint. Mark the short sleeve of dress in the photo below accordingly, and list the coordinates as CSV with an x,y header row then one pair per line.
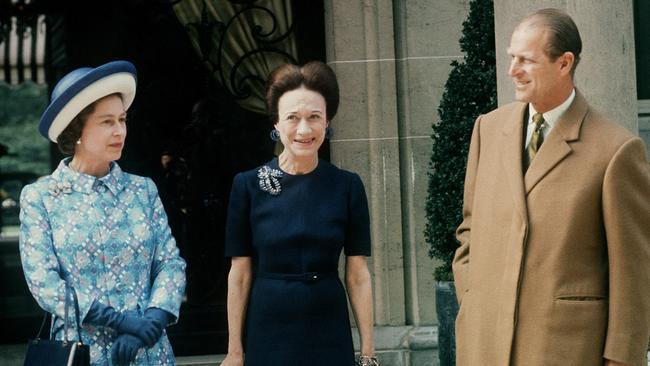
x,y
238,228
357,233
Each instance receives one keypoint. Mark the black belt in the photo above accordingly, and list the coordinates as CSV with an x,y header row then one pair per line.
x,y
305,277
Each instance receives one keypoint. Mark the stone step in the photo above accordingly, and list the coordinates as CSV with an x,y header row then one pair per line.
x,y
13,355
386,358
215,360
208,360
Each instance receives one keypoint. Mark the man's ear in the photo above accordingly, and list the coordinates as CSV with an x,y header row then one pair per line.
x,y
567,60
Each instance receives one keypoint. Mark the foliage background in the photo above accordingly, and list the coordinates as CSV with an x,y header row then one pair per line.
x,y
21,107
470,91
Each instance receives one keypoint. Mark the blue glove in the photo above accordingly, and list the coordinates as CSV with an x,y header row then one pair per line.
x,y
125,348
147,329
159,316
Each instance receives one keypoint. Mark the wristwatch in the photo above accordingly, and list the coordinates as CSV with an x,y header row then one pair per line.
x,y
367,361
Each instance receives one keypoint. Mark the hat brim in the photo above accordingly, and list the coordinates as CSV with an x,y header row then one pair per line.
x,y
93,86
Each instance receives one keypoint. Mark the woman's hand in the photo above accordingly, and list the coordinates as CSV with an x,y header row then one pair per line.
x,y
359,286
239,285
148,330
125,348
233,360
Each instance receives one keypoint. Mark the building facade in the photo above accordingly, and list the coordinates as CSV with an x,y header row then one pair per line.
x,y
392,58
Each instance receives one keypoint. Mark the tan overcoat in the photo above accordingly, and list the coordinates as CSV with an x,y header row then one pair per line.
x,y
554,265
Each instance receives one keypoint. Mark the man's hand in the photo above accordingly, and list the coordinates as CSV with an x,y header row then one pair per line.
x,y
614,363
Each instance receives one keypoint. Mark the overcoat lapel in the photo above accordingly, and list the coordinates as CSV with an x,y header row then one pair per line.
x,y
556,147
511,157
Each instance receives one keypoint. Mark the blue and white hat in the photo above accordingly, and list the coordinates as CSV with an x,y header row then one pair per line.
x,y
80,88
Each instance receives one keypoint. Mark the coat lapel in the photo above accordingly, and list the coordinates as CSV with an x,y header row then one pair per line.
x,y
556,147
511,156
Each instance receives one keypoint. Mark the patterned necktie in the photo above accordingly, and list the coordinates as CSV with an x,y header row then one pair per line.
x,y
537,138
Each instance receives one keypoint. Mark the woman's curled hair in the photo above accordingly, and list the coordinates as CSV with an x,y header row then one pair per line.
x,y
314,75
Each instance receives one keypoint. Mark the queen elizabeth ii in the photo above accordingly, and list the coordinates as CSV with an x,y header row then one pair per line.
x,y
94,229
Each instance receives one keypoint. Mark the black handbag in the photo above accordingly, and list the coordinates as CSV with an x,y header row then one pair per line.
x,y
42,351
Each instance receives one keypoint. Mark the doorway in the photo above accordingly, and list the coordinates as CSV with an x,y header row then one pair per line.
x,y
185,131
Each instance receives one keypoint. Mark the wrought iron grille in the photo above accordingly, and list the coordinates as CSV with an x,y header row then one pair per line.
x,y
233,79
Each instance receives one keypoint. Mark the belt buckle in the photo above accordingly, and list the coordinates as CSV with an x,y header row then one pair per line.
x,y
311,276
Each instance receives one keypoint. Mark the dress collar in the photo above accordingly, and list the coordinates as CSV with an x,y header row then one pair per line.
x,y
85,183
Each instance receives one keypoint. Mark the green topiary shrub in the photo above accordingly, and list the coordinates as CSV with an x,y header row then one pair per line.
x,y
470,90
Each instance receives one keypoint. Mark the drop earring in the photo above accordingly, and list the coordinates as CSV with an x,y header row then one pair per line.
x,y
329,133
79,142
275,135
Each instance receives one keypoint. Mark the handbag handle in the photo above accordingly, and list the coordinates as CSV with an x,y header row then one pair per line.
x,y
76,312
65,320
40,331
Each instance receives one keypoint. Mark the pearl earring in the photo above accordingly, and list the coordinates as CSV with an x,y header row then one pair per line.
x,y
79,142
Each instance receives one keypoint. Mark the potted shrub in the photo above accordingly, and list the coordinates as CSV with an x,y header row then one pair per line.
x,y
469,91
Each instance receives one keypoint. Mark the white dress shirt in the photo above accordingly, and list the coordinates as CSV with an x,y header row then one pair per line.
x,y
550,117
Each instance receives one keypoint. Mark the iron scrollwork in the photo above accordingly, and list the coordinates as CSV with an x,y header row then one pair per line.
x,y
235,82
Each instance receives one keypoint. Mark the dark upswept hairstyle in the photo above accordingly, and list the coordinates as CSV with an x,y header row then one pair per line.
x,y
314,75
563,33
67,139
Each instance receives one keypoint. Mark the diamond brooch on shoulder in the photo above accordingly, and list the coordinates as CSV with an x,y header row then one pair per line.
x,y
268,180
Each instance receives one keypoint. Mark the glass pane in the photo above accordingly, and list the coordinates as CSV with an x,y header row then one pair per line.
x,y
25,153
642,36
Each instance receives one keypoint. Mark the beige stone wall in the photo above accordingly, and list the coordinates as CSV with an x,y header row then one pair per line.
x,y
392,60
359,36
426,38
607,72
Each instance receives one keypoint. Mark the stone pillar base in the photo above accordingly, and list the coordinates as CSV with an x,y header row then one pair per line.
x,y
404,345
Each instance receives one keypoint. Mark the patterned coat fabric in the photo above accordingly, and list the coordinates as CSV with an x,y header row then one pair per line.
x,y
109,239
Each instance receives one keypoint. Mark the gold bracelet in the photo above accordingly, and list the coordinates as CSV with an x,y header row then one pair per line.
x,y
367,361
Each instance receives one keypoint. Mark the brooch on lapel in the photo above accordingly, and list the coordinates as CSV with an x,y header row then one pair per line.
x,y
56,188
268,180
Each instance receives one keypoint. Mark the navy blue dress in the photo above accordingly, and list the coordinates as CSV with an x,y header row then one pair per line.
x,y
297,312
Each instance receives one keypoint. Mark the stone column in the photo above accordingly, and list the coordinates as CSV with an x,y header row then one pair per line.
x,y
426,39
606,74
392,58
360,48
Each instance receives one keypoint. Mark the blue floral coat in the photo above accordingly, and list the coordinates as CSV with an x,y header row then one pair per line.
x,y
109,239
